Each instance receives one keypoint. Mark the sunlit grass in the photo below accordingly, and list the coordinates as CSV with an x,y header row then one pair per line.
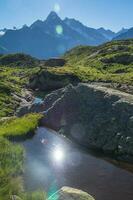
x,y
12,80
20,126
11,167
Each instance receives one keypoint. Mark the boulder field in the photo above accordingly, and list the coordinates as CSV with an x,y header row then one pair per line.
x,y
97,117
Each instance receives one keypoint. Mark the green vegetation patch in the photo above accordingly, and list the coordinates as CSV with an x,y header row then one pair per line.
x,y
111,62
20,126
11,168
34,195
12,81
18,59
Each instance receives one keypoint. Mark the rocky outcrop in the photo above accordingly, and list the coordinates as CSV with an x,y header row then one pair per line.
x,y
46,81
55,62
94,116
67,193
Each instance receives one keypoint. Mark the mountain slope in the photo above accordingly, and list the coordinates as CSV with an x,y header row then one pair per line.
x,y
49,38
107,33
123,30
126,35
93,37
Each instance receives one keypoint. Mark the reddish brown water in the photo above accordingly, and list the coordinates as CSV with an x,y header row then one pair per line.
x,y
53,162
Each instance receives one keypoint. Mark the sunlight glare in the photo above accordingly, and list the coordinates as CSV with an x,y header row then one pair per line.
x,y
57,8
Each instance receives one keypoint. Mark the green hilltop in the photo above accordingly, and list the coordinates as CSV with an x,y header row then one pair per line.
x,y
111,62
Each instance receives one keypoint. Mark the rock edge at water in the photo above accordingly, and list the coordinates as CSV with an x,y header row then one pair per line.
x,y
95,116
67,193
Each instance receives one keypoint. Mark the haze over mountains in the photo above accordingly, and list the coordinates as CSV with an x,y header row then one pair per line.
x,y
54,36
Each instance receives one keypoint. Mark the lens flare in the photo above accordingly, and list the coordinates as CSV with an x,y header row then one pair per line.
x,y
59,29
57,8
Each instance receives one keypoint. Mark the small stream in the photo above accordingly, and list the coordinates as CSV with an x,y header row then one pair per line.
x,y
53,161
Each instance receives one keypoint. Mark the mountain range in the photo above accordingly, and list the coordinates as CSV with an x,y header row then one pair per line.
x,y
54,36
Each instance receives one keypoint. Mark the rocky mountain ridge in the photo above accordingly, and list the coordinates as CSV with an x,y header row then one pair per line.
x,y
52,37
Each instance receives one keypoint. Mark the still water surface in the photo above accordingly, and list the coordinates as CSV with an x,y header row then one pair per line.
x,y
53,161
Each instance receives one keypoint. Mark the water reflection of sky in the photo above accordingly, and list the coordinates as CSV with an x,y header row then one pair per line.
x,y
38,100
53,162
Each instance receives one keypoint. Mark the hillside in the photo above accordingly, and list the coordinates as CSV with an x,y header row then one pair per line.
x,y
13,83
18,60
108,63
111,62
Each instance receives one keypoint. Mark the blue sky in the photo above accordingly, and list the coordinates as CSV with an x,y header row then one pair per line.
x,y
112,14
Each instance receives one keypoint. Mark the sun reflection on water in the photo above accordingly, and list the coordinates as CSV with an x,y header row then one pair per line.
x,y
58,155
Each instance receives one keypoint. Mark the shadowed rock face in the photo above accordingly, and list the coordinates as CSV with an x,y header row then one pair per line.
x,y
67,193
45,81
94,116
55,62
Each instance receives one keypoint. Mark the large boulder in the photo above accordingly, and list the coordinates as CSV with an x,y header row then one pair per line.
x,y
94,116
67,193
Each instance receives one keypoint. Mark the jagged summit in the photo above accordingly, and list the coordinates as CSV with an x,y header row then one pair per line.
x,y
53,17
52,37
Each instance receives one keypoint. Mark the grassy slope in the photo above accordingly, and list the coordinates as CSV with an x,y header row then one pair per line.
x,y
11,167
111,62
12,80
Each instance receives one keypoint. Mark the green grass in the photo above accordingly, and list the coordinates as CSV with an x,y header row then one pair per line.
x,y
18,59
12,81
11,168
11,171
12,157
111,62
35,195
20,126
